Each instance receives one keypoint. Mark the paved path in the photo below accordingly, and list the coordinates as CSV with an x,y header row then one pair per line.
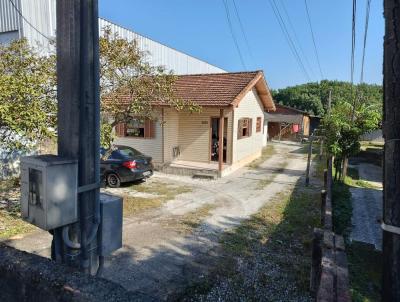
x,y
367,206
158,259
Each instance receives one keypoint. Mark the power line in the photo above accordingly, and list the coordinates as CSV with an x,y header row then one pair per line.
x,y
365,39
296,37
27,21
228,17
288,38
353,40
242,29
313,38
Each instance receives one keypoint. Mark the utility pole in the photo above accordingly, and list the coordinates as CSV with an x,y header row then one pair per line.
x,y
329,102
79,125
391,132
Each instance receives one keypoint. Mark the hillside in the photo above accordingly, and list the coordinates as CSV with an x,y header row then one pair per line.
x,y
313,97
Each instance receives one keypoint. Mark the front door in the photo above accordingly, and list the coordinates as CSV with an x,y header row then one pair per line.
x,y
215,139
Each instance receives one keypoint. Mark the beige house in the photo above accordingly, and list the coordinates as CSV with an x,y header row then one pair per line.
x,y
232,116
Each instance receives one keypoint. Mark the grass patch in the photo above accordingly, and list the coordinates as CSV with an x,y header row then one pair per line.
x,y
11,223
278,236
162,191
365,269
267,152
364,261
193,219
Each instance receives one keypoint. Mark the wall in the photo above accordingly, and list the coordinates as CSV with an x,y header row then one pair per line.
x,y
148,146
194,134
171,132
251,107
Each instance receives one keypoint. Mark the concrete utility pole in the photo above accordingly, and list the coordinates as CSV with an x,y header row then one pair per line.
x,y
311,138
79,124
391,132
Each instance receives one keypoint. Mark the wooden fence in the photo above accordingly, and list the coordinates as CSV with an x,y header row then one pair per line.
x,y
329,272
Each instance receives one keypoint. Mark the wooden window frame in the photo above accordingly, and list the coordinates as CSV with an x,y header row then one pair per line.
x,y
121,130
244,123
259,124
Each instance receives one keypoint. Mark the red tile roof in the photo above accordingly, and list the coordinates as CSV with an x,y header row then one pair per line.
x,y
220,89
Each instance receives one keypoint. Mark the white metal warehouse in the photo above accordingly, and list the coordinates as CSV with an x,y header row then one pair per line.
x,y
36,21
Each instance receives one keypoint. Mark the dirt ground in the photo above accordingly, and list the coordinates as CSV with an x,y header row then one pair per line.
x,y
170,242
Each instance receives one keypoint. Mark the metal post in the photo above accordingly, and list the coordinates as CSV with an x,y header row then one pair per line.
x,y
391,132
221,141
309,160
79,114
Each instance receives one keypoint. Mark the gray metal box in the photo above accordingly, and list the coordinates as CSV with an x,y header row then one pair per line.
x,y
49,185
111,224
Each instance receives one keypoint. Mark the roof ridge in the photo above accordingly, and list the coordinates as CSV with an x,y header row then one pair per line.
x,y
220,73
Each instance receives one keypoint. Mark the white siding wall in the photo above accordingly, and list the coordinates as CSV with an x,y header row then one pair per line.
x,y
149,146
171,132
250,107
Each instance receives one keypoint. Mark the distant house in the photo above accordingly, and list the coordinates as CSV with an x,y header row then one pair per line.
x,y
188,143
286,121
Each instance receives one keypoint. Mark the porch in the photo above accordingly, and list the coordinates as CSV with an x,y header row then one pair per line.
x,y
195,169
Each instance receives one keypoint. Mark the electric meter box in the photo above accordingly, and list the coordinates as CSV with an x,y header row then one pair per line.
x,y
49,185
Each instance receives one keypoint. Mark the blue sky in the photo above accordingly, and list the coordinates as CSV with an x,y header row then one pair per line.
x,y
200,28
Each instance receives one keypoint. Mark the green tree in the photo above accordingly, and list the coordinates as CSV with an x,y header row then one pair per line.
x,y
130,85
342,129
27,97
313,97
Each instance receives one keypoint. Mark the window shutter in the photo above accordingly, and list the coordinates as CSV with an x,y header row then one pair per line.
x,y
149,129
120,129
240,129
250,126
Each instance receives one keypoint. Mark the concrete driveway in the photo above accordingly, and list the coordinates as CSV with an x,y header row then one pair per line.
x,y
166,247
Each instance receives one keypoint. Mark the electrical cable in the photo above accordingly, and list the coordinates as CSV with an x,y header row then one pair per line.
x,y
296,37
242,30
365,40
313,39
27,21
228,17
288,38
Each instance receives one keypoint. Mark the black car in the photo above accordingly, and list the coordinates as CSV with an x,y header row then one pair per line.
x,y
124,164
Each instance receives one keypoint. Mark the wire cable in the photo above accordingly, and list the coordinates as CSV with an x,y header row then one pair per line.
x,y
288,38
365,39
27,21
353,40
228,17
296,37
313,39
242,30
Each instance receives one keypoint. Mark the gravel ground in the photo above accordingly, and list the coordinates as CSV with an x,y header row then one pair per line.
x,y
159,260
367,207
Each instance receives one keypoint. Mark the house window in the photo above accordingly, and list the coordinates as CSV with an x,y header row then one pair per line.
x,y
136,128
258,124
244,127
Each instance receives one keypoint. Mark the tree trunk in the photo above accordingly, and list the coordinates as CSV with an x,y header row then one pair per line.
x,y
345,167
391,132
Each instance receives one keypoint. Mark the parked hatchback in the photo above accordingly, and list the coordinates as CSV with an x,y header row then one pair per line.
x,y
124,164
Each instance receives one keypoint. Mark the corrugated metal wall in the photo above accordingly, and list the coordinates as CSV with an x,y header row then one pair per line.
x,y
9,20
40,17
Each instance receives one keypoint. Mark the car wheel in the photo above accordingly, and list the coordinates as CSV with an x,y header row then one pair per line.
x,y
113,180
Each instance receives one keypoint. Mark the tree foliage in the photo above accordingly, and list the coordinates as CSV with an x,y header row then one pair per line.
x,y
27,96
313,97
130,85
345,124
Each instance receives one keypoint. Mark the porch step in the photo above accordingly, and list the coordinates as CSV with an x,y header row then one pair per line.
x,y
188,171
205,176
